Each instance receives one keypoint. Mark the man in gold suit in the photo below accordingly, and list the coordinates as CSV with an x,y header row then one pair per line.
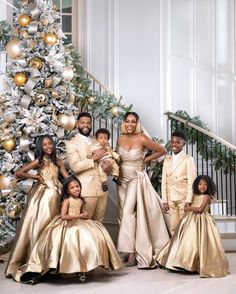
x,y
178,174
85,167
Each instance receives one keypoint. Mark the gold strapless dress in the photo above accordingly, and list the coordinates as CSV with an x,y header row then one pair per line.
x,y
42,205
143,224
75,246
196,245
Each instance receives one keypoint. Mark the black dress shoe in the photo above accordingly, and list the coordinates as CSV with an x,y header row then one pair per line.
x,y
117,181
104,187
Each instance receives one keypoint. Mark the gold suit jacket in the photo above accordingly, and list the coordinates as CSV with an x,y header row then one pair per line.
x,y
86,170
177,181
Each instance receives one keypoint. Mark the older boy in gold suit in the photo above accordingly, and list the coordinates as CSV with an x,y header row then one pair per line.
x,y
178,174
85,167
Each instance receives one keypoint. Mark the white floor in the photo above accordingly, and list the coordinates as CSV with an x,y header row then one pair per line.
x,y
129,280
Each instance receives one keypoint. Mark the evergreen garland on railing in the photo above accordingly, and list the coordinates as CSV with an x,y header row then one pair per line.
x,y
222,157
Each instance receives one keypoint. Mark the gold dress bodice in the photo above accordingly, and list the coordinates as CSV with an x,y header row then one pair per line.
x,y
75,205
197,202
131,162
49,172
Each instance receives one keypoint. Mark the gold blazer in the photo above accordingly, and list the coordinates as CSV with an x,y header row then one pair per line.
x,y
177,182
86,170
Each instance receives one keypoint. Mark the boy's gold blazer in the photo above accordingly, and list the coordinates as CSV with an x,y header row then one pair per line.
x,y
177,181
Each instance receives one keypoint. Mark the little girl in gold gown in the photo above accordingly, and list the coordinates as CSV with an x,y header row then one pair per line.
x,y
71,243
196,244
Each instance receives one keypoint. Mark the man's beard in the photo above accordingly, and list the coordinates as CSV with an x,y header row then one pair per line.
x,y
86,133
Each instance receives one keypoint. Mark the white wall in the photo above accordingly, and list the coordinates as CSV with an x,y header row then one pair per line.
x,y
162,55
165,55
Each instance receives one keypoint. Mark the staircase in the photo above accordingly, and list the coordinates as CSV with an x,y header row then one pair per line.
x,y
214,150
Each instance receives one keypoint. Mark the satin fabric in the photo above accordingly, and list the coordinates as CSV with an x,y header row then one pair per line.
x,y
86,170
42,206
196,245
73,246
143,224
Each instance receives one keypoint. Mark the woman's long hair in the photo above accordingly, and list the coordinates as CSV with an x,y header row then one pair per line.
x,y
39,154
138,128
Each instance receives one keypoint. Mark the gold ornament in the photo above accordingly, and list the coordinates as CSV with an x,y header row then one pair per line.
x,y
68,73
91,100
13,209
24,20
9,144
66,121
5,182
36,62
48,82
115,110
40,99
50,39
13,48
54,94
20,79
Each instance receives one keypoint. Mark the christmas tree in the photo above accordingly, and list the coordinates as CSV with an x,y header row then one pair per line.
x,y
39,98
45,88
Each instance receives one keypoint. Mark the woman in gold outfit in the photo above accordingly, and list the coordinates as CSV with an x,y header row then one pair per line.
x,y
42,205
71,243
143,229
196,244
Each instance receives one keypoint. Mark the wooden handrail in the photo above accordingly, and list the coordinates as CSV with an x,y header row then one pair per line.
x,y
224,142
99,83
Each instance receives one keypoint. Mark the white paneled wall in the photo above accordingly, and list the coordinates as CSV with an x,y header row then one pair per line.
x,y
166,55
162,55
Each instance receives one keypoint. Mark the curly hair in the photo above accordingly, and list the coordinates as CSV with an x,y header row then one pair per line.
x,y
102,131
67,181
211,187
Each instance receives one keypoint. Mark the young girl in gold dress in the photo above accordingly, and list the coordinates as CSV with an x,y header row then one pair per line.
x,y
71,243
196,244
42,205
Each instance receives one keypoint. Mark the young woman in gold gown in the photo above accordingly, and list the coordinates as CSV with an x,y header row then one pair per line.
x,y
42,205
196,244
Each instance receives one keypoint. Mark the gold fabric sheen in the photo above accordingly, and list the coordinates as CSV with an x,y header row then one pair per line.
x,y
143,227
43,204
73,246
177,179
196,245
78,151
